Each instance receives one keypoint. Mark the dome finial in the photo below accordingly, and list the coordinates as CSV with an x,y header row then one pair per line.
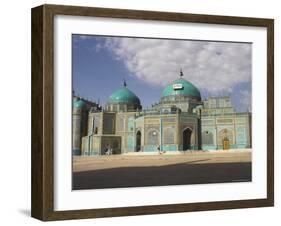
x,y
124,83
181,73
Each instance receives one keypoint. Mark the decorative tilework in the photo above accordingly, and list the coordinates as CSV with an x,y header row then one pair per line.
x,y
168,135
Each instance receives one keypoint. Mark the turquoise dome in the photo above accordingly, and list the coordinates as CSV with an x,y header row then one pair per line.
x,y
123,95
181,87
79,104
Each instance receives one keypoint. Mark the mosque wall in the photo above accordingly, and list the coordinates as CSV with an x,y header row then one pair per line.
x,y
124,129
166,131
152,136
95,123
91,145
79,129
188,123
179,122
235,127
108,126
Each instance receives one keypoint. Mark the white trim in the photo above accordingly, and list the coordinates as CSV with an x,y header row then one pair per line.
x,y
66,199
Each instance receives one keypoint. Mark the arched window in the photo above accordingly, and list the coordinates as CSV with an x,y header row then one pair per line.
x,y
153,137
108,124
168,135
225,134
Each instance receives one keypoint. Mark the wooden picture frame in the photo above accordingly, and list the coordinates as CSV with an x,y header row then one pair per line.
x,y
42,203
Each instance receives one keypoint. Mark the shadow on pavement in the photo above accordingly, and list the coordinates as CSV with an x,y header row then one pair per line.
x,y
177,174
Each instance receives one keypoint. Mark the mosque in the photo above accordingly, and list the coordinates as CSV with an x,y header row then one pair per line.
x,y
180,121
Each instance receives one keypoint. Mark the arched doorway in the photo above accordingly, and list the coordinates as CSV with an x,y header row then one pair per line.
x,y
186,139
225,143
225,138
138,141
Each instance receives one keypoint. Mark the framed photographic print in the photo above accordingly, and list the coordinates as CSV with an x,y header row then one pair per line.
x,y
141,112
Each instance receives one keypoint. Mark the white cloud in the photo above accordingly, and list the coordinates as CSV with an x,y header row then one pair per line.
x,y
84,37
212,66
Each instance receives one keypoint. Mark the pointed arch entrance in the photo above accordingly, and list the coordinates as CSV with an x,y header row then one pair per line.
x,y
138,141
186,139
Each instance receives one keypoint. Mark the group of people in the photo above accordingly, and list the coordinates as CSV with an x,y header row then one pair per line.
x,y
108,151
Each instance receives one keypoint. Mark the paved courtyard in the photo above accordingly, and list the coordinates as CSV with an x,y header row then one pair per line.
x,y
161,169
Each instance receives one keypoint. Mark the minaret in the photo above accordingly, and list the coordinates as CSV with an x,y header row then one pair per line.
x,y
79,125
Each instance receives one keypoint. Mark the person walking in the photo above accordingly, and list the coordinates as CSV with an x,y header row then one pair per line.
x,y
159,149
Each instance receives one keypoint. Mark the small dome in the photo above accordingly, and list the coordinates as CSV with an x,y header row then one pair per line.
x,y
79,104
181,87
123,95
74,99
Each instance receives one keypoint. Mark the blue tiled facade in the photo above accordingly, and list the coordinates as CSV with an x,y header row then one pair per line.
x,y
180,121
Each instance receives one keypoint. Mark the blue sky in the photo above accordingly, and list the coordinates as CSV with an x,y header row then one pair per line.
x,y
101,63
